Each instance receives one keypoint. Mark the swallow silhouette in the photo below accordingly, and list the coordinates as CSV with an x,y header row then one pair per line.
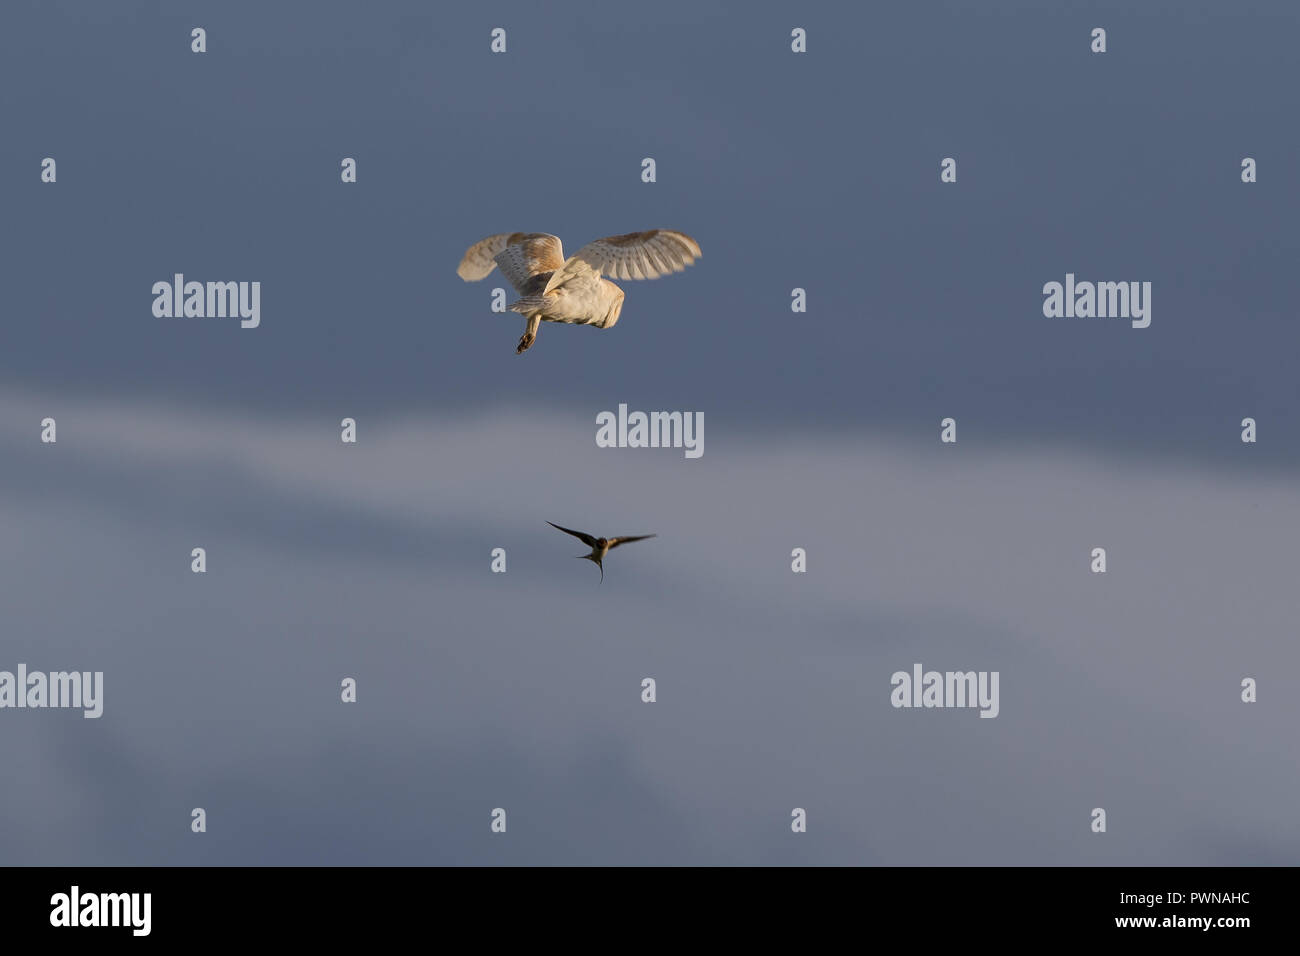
x,y
599,546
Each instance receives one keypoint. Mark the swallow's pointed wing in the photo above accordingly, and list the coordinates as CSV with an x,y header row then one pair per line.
x,y
615,542
586,539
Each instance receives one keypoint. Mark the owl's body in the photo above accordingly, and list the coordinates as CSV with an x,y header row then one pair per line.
x,y
554,289
583,300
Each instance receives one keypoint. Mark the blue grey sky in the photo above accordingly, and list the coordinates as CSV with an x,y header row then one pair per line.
x,y
522,690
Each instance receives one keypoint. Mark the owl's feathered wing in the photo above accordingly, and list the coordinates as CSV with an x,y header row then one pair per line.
x,y
636,255
521,255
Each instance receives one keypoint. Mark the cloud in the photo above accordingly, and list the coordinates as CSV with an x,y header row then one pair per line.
x,y
522,690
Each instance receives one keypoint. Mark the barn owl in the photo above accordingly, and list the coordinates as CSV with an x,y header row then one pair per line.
x,y
556,289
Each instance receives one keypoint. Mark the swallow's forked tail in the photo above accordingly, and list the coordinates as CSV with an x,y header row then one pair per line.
x,y
599,564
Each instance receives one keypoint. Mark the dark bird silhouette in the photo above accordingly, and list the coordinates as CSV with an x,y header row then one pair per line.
x,y
599,546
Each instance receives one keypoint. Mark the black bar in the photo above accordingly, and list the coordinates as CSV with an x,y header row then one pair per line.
x,y
333,905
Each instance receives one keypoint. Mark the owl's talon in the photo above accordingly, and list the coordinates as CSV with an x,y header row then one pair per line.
x,y
526,342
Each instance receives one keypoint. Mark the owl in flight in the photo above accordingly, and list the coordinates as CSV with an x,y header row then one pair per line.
x,y
555,289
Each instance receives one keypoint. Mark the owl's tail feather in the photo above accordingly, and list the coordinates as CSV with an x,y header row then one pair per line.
x,y
529,304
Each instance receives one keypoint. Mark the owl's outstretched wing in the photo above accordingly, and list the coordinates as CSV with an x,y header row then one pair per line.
x,y
480,258
637,255
531,255
519,254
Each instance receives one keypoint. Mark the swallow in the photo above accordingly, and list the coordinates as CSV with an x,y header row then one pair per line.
x,y
599,546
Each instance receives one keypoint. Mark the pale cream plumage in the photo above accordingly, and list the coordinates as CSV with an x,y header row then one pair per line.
x,y
555,289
